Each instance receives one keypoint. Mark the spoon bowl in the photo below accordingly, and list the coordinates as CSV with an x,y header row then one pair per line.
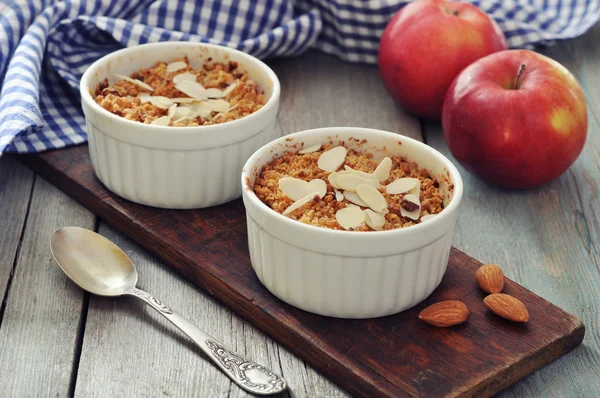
x,y
93,262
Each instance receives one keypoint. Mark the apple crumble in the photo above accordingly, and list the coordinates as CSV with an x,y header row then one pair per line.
x,y
176,94
332,187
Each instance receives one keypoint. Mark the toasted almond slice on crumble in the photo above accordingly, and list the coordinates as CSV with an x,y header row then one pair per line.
x,y
332,178
300,202
175,66
137,82
339,196
427,217
354,198
203,108
192,89
181,112
184,77
374,220
144,97
161,102
401,185
183,100
350,217
349,181
214,93
348,169
382,172
183,119
332,159
414,214
229,89
219,105
171,111
416,190
319,186
225,111
372,197
309,149
295,188
161,121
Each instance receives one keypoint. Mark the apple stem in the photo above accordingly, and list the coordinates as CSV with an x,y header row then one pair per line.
x,y
519,74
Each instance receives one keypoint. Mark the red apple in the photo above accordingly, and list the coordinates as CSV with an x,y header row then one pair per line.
x,y
426,44
516,118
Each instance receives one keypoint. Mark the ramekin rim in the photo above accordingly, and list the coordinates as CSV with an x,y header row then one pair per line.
x,y
413,229
214,128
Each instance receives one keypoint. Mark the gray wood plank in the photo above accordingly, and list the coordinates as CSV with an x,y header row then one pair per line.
x,y
39,331
547,239
16,182
130,351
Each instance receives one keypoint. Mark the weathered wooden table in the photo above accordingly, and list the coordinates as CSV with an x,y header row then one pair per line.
x,y
56,340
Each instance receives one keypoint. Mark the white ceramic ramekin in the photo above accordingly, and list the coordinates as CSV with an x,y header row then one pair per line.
x,y
175,167
351,274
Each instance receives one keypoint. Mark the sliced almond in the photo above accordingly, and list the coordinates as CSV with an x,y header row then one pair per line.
x,y
350,217
332,178
295,188
137,82
348,181
183,119
300,202
401,185
414,214
309,149
348,169
416,190
175,66
225,111
332,159
184,77
339,196
161,102
427,217
374,220
372,197
229,89
214,93
161,121
319,186
219,105
203,108
182,111
192,89
144,97
354,198
171,110
382,172
183,100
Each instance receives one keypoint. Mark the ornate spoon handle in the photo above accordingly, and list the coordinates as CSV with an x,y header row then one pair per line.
x,y
249,375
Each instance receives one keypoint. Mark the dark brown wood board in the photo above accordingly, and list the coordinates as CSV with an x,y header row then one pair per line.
x,y
389,357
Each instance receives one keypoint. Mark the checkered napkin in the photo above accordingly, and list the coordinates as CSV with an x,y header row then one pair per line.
x,y
46,45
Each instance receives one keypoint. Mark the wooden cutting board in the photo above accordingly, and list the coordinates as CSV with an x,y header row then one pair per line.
x,y
388,357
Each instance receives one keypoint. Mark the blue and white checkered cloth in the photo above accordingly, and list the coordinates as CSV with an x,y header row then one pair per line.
x,y
46,45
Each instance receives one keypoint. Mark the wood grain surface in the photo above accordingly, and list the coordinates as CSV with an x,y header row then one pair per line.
x,y
552,252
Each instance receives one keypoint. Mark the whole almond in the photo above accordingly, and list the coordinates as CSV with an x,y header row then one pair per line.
x,y
490,278
507,307
445,313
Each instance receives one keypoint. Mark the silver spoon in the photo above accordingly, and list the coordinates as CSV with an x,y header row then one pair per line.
x,y
99,266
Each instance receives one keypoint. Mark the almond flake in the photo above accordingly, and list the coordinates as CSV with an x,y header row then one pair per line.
x,y
229,89
428,217
332,159
401,185
333,179
382,172
171,110
183,100
181,112
137,82
192,89
348,181
161,102
415,214
374,220
295,188
350,217
161,121
224,112
183,119
416,190
175,66
203,108
354,198
214,93
184,77
300,202
348,169
219,105
144,97
372,197
309,149
339,196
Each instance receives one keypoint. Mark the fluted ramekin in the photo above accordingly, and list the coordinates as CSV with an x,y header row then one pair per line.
x,y
351,274
175,167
